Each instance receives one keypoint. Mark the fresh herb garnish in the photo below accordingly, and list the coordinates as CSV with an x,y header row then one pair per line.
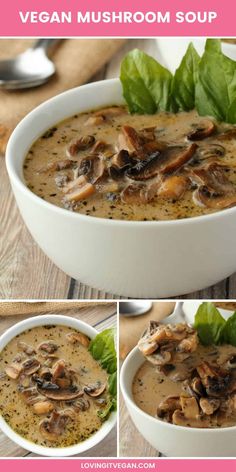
x,y
207,83
212,328
102,348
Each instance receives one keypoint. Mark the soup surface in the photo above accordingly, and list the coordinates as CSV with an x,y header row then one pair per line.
x,y
51,388
197,390
111,164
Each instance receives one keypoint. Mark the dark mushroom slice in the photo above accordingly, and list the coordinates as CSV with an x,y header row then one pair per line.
x,y
230,363
26,348
209,405
175,157
93,168
121,161
48,346
202,130
174,187
94,390
217,382
203,197
78,338
54,427
135,142
81,404
30,366
61,394
81,144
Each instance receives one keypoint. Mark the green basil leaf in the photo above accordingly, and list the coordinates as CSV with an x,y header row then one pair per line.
x,y
146,84
102,348
209,324
229,332
216,86
185,79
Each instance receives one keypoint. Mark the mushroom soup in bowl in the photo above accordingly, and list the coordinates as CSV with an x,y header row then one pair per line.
x,y
54,394
180,386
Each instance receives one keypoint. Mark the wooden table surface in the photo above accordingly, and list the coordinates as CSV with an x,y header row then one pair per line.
x,y
101,317
25,272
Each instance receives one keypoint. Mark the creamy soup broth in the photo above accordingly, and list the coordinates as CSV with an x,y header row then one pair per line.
x,y
150,387
20,415
106,201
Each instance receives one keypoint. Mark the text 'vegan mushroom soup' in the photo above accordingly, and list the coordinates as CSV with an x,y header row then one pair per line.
x,y
51,388
111,164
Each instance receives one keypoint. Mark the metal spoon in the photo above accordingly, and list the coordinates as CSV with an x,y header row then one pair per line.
x,y
29,69
134,308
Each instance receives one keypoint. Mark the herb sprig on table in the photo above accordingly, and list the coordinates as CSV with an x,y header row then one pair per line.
x,y
212,328
102,348
206,83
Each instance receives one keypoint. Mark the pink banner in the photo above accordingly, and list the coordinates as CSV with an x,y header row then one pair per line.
x,y
154,465
118,18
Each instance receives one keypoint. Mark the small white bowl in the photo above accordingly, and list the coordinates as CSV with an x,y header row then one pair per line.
x,y
151,259
169,439
22,442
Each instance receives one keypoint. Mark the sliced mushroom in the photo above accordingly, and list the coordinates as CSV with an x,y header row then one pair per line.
x,y
110,111
197,386
173,187
216,381
202,130
209,405
93,168
94,390
58,165
160,358
210,150
167,407
95,120
179,419
203,197
58,370
30,366
13,370
175,157
189,407
81,144
213,177
43,407
139,193
78,189
29,350
53,427
227,135
3,375
81,404
49,346
80,338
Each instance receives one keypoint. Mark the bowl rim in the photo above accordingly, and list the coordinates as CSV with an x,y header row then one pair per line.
x,y
21,186
128,398
95,438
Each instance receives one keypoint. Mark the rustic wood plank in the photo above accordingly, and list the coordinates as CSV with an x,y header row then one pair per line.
x,y
101,316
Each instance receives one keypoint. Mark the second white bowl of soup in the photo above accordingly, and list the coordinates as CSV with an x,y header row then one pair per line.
x,y
145,259
45,372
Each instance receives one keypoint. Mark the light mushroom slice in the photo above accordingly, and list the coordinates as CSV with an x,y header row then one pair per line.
x,y
180,419
78,189
213,177
57,166
174,187
95,120
160,358
94,390
189,407
203,197
13,370
30,366
48,346
139,193
29,350
167,407
54,427
210,151
80,338
81,144
202,130
209,405
43,407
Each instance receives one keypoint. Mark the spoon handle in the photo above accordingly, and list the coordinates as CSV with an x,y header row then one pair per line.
x,y
45,43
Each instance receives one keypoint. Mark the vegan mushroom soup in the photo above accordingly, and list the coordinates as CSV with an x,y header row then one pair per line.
x,y
183,382
51,388
111,164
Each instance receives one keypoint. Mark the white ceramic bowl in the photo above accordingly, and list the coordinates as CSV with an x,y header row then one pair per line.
x,y
165,47
172,440
134,259
30,446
